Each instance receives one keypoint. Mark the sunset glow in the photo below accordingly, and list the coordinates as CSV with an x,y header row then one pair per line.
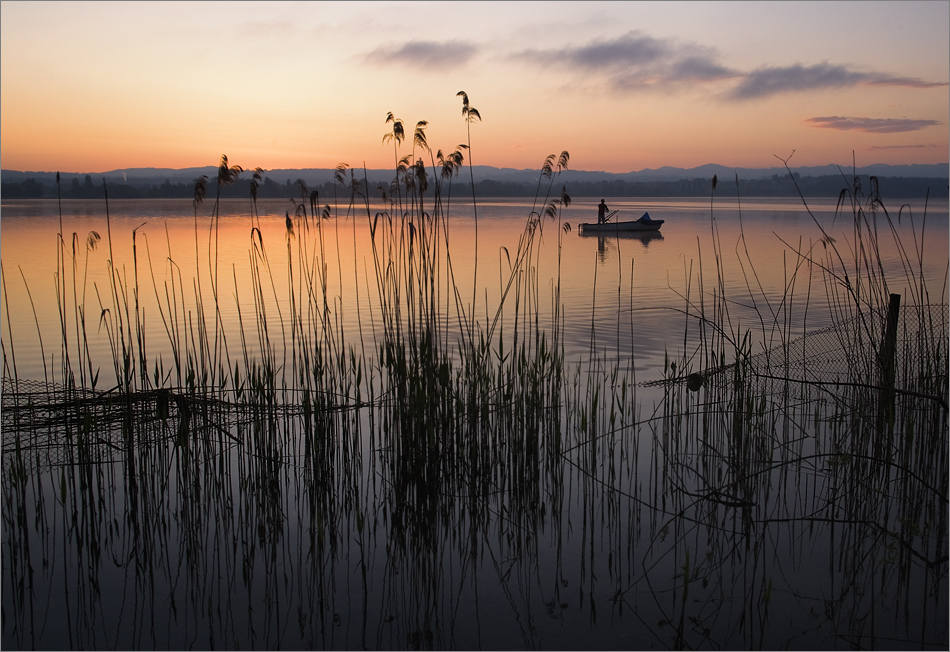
x,y
92,87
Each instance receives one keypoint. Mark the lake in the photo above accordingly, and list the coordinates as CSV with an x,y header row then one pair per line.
x,y
466,428
619,288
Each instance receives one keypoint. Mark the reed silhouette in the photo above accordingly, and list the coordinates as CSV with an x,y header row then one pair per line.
x,y
438,479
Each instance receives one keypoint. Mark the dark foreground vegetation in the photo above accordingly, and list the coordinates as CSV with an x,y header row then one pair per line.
x,y
445,479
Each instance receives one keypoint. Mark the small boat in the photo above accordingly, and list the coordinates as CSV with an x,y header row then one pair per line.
x,y
645,223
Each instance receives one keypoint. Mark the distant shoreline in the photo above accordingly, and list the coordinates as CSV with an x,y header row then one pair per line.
x,y
777,186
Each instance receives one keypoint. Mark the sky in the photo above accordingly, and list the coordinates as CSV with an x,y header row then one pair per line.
x,y
93,87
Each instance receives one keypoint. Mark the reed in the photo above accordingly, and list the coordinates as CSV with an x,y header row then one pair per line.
x,y
315,486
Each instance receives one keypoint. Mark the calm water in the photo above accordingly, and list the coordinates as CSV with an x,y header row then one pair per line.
x,y
661,521
628,294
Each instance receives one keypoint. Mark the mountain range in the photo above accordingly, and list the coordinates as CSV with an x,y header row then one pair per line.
x,y
311,176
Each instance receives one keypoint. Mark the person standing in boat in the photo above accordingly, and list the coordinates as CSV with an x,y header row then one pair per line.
x,y
602,212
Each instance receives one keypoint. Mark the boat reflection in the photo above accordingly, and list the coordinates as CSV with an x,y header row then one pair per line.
x,y
645,237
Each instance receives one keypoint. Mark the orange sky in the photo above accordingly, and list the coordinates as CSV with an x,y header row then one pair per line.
x,y
92,87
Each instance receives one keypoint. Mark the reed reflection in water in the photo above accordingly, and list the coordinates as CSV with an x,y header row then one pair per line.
x,y
392,464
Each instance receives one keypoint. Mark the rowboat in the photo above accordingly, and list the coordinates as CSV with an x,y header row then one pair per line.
x,y
644,224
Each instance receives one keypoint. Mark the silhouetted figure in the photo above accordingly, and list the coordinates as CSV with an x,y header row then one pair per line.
x,y
602,212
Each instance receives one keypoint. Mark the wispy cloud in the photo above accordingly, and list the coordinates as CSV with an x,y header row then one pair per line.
x,y
767,81
429,54
699,69
632,49
635,61
928,146
871,125
764,82
638,61
908,82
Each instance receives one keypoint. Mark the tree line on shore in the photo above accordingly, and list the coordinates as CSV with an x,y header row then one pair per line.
x,y
776,186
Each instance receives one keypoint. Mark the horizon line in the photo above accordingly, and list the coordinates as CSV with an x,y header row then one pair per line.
x,y
496,167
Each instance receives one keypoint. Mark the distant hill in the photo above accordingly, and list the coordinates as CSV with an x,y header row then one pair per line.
x,y
816,181
488,173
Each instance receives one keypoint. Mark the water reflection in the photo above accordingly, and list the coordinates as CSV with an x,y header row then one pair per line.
x,y
364,478
644,237
705,523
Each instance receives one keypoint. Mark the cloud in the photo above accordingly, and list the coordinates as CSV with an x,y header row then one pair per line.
x,y
430,54
631,49
930,146
635,61
699,69
638,62
871,125
765,82
907,82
